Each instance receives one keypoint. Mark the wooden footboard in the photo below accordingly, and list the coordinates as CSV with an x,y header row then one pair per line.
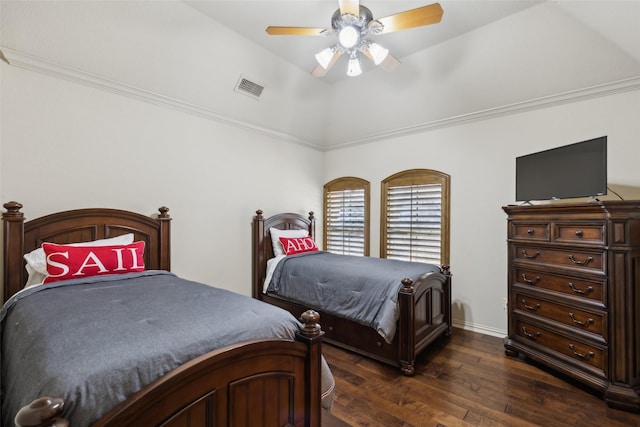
x,y
424,306
258,383
425,315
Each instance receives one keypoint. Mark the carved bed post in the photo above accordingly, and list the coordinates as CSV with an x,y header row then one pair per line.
x,y
445,269
311,334
259,257
165,238
406,302
312,225
13,249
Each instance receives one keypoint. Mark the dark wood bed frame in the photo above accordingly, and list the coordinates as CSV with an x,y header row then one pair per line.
x,y
425,306
224,387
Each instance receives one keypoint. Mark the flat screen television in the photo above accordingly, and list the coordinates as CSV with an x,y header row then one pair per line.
x,y
575,170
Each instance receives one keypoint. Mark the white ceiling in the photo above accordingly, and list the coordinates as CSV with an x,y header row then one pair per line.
x,y
616,20
485,55
251,18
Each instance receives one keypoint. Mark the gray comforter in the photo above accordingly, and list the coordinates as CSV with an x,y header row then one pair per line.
x,y
362,289
106,338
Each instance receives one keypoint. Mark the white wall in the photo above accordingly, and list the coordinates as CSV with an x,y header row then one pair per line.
x,y
68,146
480,158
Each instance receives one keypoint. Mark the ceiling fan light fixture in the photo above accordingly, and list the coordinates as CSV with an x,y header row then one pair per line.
x,y
324,57
378,53
352,23
349,36
353,68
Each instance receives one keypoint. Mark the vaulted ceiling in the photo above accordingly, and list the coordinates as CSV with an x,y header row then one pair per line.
x,y
483,55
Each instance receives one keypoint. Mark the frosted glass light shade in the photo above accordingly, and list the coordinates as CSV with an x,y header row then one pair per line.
x,y
324,57
353,69
378,53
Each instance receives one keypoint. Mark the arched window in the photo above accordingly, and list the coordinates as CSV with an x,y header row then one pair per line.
x,y
414,221
346,216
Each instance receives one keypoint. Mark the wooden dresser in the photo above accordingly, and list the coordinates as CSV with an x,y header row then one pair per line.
x,y
574,293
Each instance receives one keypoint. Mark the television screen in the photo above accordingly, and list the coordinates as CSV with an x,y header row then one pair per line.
x,y
575,170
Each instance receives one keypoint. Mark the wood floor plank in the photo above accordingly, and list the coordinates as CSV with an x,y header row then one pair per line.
x,y
465,380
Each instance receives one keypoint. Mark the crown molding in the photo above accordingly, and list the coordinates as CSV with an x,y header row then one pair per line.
x,y
50,68
47,67
620,86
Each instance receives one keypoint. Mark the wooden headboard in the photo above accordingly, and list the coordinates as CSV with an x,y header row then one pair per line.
x,y
79,225
262,248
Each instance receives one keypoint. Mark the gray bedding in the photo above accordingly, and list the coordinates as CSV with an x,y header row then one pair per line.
x,y
108,337
362,289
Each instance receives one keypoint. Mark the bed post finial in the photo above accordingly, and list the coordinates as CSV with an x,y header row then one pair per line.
x,y
13,210
258,213
164,212
407,285
43,411
310,328
311,216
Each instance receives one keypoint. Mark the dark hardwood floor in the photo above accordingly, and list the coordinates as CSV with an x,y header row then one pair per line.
x,y
467,380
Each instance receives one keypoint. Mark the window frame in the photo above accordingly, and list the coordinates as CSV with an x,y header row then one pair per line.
x,y
418,177
343,184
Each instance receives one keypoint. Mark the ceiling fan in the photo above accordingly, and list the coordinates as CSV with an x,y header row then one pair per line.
x,y
352,23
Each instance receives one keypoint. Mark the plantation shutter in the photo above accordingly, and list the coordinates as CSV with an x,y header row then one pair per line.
x,y
345,221
414,223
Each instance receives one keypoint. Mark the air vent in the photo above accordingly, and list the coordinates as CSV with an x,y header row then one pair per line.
x,y
249,88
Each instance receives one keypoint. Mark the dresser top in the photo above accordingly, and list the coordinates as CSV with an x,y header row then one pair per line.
x,y
597,207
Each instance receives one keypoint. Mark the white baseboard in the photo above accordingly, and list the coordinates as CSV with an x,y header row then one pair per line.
x,y
487,330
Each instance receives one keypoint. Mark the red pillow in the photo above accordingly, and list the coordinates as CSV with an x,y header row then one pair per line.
x,y
72,262
298,245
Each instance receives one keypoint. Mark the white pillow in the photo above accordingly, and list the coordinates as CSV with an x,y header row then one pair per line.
x,y
37,264
277,233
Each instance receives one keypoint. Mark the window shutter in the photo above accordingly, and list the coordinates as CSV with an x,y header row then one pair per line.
x,y
414,223
345,221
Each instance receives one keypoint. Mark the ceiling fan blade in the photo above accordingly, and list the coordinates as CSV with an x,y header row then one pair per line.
x,y
389,64
294,31
320,71
349,6
425,15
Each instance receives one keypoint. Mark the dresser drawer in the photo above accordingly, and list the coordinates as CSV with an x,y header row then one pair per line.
x,y
586,354
593,291
587,260
530,231
588,233
588,321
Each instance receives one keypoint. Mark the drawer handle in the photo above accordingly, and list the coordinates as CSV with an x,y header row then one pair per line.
x,y
534,256
585,262
578,322
530,231
530,307
530,336
579,233
580,291
581,355
530,281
